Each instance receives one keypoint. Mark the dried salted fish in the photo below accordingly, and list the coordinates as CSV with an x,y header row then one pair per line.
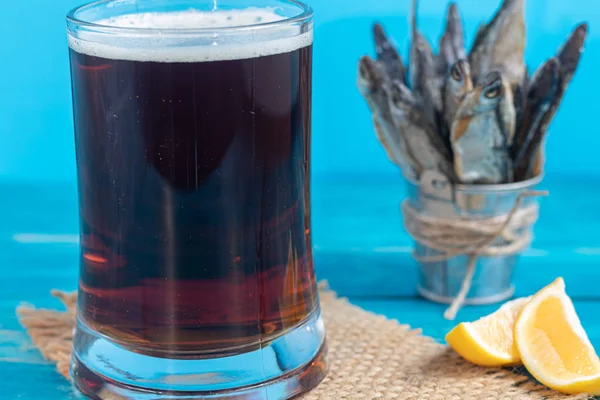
x,y
476,116
507,113
569,54
427,85
422,141
387,54
374,87
423,78
452,43
500,46
383,139
417,39
520,95
480,136
568,58
478,37
371,83
542,92
458,84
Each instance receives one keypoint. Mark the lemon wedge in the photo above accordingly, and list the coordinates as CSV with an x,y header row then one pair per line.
x,y
553,345
489,341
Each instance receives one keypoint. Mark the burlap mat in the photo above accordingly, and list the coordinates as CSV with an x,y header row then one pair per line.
x,y
371,358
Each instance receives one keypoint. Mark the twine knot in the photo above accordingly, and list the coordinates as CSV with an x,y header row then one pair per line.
x,y
473,236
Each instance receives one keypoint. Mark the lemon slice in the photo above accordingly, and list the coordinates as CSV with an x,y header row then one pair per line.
x,y
553,345
489,340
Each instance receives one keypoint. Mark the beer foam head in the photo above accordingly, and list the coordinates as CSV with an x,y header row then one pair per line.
x,y
191,46
194,19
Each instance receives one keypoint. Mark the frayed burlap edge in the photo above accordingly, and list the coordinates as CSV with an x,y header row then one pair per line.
x,y
371,358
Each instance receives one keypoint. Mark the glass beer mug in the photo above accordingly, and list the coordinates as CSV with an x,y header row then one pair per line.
x,y
192,130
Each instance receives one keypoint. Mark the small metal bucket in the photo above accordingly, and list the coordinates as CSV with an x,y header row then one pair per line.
x,y
441,281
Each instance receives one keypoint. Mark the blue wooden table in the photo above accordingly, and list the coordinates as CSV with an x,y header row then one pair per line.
x,y
360,248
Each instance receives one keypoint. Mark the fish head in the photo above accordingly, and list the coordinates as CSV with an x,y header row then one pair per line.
x,y
501,44
452,11
379,36
490,93
453,18
370,75
459,79
570,53
421,63
423,50
401,96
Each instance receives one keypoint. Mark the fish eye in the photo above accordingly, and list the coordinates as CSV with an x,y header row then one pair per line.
x,y
492,93
455,73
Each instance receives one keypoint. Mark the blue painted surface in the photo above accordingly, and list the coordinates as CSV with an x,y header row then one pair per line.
x,y
360,245
360,248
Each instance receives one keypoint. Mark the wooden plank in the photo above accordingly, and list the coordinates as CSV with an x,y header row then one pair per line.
x,y
35,382
395,273
350,274
366,214
355,212
360,246
381,272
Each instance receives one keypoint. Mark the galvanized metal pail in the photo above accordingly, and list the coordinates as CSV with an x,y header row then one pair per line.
x,y
441,281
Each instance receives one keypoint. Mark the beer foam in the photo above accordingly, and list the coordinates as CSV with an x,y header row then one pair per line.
x,y
170,46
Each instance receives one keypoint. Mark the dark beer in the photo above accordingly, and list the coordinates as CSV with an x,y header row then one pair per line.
x,y
194,198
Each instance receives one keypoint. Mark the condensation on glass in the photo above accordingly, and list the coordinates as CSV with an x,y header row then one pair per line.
x,y
192,129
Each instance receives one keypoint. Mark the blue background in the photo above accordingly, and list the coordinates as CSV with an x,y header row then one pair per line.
x,y
36,139
360,244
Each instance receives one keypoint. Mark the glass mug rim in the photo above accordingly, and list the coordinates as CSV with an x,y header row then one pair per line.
x,y
303,17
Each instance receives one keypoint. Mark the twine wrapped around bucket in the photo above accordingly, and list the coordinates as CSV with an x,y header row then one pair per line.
x,y
471,236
